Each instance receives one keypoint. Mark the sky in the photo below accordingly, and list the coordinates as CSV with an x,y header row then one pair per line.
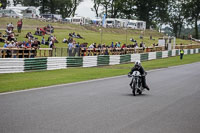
x,y
84,9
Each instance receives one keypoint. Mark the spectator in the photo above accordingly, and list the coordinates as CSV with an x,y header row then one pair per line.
x,y
29,44
112,45
19,26
91,46
64,40
133,40
11,45
70,47
77,49
43,40
6,44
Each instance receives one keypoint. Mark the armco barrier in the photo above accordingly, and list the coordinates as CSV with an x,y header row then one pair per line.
x,y
135,57
125,58
164,54
103,60
169,53
144,57
174,52
89,61
152,55
188,51
114,59
56,63
35,64
13,65
158,55
74,61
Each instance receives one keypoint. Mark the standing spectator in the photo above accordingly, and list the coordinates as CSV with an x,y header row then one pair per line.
x,y
70,47
77,49
19,26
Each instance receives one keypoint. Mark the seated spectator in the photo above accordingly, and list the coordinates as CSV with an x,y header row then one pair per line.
x,y
124,46
43,40
11,45
99,46
38,32
11,37
35,44
70,39
95,45
112,45
29,44
65,40
79,36
8,32
6,44
91,46
55,40
70,34
29,35
49,28
132,40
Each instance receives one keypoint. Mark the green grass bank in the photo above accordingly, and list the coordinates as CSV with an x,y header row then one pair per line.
x,y
90,33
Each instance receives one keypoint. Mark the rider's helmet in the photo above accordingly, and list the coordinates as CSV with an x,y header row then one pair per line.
x,y
137,64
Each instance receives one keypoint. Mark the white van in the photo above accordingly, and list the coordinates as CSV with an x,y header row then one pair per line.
x,y
110,22
11,13
132,24
135,24
78,20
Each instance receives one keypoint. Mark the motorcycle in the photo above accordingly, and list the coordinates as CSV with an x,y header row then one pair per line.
x,y
136,85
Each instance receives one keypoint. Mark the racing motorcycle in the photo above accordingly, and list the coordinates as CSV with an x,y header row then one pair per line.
x,y
136,86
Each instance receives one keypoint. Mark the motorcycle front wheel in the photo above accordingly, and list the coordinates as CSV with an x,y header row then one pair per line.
x,y
134,90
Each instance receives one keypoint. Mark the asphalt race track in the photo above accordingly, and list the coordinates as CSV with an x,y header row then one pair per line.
x,y
107,106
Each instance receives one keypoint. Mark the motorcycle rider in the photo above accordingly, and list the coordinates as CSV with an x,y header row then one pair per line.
x,y
138,67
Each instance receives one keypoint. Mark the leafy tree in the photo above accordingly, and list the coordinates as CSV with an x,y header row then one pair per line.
x,y
151,10
96,6
3,3
176,16
64,7
192,13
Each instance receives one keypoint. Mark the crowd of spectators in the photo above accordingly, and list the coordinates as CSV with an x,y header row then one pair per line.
x,y
73,46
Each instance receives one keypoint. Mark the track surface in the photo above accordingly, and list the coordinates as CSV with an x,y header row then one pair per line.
x,y
107,106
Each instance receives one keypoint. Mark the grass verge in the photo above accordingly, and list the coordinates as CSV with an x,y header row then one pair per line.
x,y
20,81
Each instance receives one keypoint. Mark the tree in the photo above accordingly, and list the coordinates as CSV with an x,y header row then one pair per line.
x,y
126,9
192,13
64,7
176,16
106,5
3,4
149,10
96,6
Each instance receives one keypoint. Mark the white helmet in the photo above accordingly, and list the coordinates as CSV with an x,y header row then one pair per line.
x,y
137,63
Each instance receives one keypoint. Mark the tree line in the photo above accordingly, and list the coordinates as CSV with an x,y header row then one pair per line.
x,y
176,13
66,8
